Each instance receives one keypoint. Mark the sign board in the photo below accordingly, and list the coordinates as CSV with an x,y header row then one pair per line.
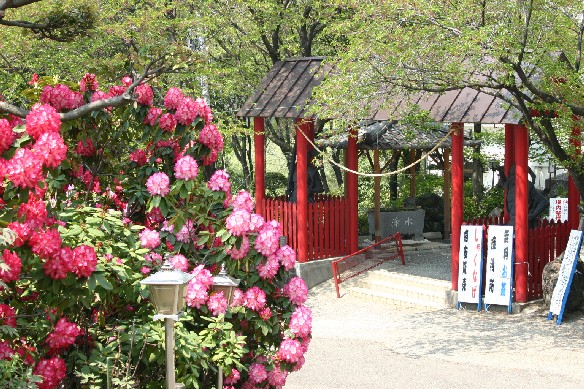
x,y
500,258
562,288
558,209
470,265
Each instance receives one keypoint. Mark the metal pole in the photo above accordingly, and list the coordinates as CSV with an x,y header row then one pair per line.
x,y
169,344
220,378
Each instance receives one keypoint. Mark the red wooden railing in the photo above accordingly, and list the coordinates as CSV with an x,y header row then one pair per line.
x,y
327,224
545,242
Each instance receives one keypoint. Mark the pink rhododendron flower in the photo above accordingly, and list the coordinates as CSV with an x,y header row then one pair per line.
x,y
232,378
301,321
52,370
7,316
34,212
286,256
22,230
296,290
203,276
63,335
84,260
290,351
265,313
14,266
24,169
243,200
88,83
145,94
268,240
85,148
127,81
197,294
61,97
187,111
217,303
173,98
154,258
139,156
145,270
268,269
241,252
186,233
149,239
238,298
158,184
43,119
167,122
6,352
59,264
277,377
7,136
257,373
46,243
255,299
179,262
256,222
220,181
99,95
50,149
152,116
34,79
186,168
117,90
238,223
210,158
211,137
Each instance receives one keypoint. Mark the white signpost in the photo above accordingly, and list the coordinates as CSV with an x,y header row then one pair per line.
x,y
470,265
558,209
562,288
500,259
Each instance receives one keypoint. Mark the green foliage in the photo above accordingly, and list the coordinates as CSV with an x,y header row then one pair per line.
x,y
473,207
276,184
14,374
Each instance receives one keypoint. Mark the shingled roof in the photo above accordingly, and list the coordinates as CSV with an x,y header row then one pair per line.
x,y
286,92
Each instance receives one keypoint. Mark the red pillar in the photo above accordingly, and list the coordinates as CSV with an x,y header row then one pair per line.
x,y
302,126
352,191
521,222
457,207
509,161
573,194
260,164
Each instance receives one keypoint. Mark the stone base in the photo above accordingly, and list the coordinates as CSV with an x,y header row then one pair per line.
x,y
315,272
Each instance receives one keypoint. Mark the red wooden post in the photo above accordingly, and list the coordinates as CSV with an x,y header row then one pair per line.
x,y
302,189
521,222
457,206
509,161
352,191
260,164
573,194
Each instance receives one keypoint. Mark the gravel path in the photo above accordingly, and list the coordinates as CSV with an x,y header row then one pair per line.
x,y
368,344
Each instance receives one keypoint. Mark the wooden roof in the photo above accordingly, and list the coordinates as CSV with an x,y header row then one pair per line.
x,y
286,92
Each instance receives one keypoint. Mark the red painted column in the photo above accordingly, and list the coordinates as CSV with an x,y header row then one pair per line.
x,y
352,190
509,161
302,126
573,194
260,164
457,208
521,222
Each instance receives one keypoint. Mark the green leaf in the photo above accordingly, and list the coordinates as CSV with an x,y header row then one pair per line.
x,y
102,281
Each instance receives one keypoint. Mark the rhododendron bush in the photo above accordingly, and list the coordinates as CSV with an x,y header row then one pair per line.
x,y
92,201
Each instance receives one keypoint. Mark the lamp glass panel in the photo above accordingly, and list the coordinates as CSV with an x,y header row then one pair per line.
x,y
168,299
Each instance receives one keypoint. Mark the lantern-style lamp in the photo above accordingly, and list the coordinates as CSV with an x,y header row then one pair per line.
x,y
167,288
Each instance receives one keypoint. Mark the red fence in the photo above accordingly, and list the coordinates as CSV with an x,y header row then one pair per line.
x,y
545,243
328,226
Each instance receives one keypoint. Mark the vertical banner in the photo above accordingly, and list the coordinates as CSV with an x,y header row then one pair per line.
x,y
562,288
558,209
500,258
470,268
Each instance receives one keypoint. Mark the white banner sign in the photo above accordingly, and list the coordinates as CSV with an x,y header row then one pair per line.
x,y
499,278
561,290
558,209
470,264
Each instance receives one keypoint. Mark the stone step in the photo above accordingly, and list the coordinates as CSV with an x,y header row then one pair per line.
x,y
407,280
411,290
395,299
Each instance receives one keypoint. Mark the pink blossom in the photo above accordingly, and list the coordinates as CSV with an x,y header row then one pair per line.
x,y
43,119
210,158
167,122
186,168
14,266
117,90
22,230
98,95
217,303
88,83
255,299
84,260
154,258
186,233
256,222
158,184
145,270
265,313
179,262
301,321
63,335
197,294
59,264
34,79
268,269
145,94
7,136
241,252
211,137
50,149
52,370
220,181
268,240
173,98
7,316
257,373
296,290
277,377
152,116
202,276
6,352
238,298
286,256
85,148
24,169
243,200
232,378
127,81
290,351
46,243
149,239
34,212
139,157
187,111
238,223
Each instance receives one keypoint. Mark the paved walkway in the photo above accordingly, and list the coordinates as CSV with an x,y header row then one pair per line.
x,y
367,344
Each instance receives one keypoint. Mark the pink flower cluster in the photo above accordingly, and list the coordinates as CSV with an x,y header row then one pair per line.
x,y
7,136
257,373
61,97
13,265
41,119
179,262
158,184
186,168
268,269
301,321
290,351
296,290
217,303
255,299
52,370
7,316
63,336
268,239
85,148
198,287
286,256
238,222
220,181
88,83
187,109
149,239
82,261
211,137
241,252
145,94
243,201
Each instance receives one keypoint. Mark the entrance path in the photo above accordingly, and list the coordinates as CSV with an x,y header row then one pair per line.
x,y
369,344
